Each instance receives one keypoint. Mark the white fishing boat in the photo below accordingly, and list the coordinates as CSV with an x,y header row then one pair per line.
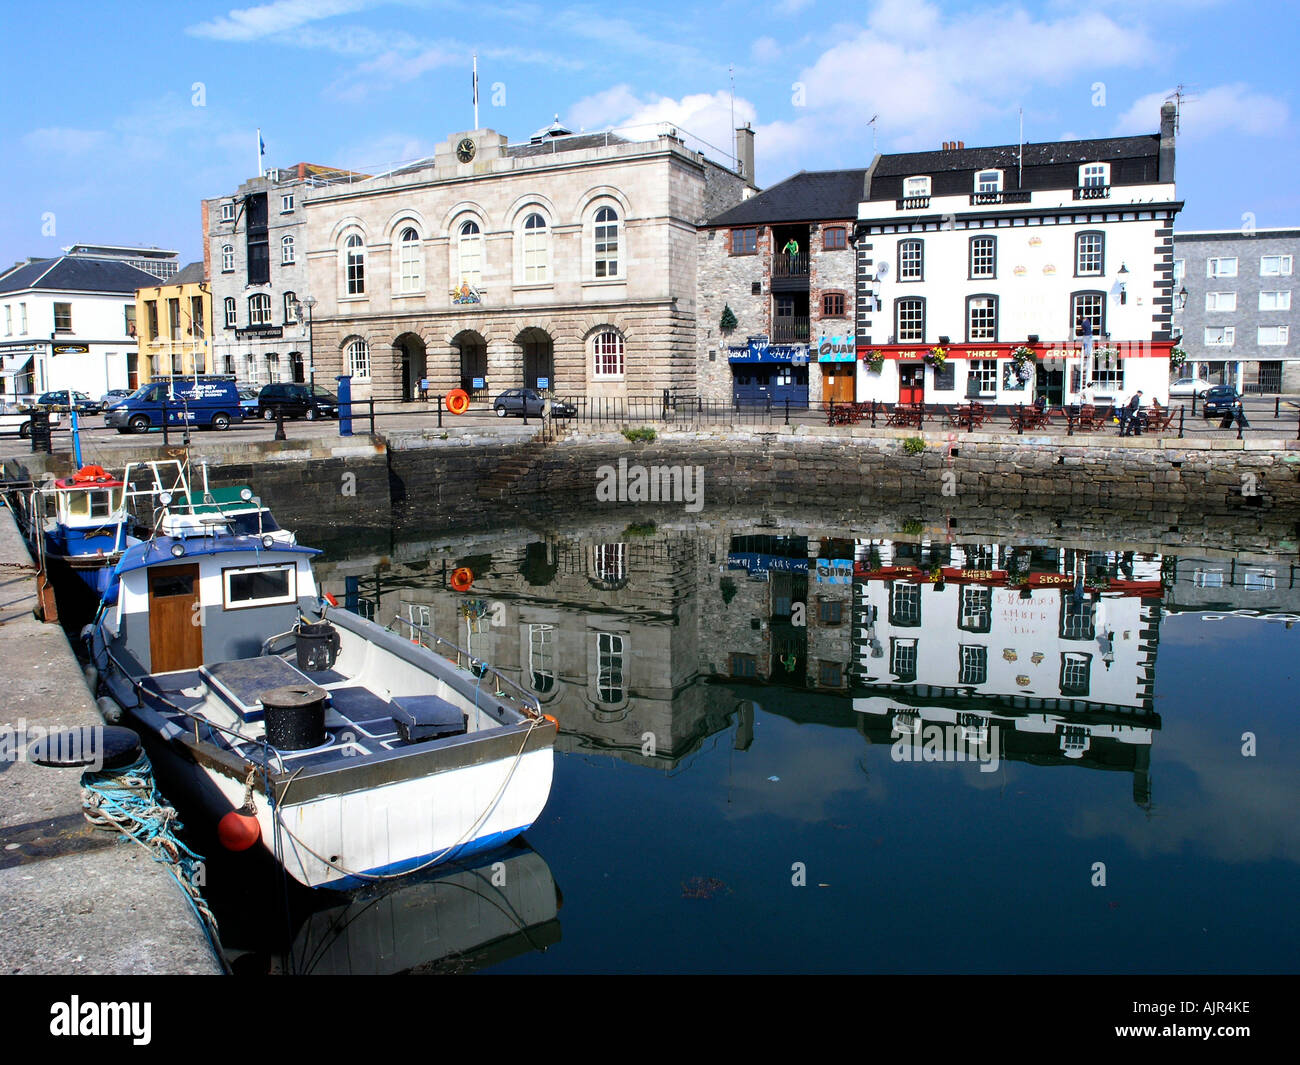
x,y
351,752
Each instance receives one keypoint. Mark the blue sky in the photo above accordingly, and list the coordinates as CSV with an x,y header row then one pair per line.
x,y
121,118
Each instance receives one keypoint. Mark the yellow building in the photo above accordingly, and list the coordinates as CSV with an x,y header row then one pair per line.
x,y
173,325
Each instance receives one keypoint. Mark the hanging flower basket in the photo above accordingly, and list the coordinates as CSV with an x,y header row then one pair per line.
x,y
1177,356
875,360
936,357
1022,355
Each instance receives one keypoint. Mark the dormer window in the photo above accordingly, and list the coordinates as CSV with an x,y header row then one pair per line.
x,y
988,181
1094,175
916,186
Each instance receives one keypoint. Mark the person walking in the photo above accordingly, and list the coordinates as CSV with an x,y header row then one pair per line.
x,y
1129,415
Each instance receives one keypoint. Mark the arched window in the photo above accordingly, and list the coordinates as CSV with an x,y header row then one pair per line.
x,y
259,309
607,242
412,276
469,254
609,667
227,258
230,312
536,251
355,266
541,657
607,349
358,354
286,251
291,309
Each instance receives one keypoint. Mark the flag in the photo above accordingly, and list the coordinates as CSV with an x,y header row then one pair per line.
x,y
476,84
261,145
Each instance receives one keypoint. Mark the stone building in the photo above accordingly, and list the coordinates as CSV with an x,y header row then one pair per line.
x,y
255,253
173,326
1233,309
1038,269
566,263
782,262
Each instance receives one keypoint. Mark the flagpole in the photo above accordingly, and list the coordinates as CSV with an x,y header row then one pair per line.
x,y
476,90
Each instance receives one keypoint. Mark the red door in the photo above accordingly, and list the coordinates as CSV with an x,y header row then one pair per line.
x,y
911,382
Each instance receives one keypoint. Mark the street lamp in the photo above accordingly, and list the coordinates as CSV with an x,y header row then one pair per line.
x,y
309,303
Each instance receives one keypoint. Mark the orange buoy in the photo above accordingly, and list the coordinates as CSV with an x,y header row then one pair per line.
x,y
238,830
462,579
553,721
458,401
331,600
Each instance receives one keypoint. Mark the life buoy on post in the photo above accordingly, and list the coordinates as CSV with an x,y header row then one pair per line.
x,y
458,401
462,579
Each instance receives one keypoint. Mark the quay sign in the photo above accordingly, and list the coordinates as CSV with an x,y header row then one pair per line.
x,y
837,349
265,332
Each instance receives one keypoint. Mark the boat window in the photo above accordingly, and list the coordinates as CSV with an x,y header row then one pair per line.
x,y
167,584
258,586
101,504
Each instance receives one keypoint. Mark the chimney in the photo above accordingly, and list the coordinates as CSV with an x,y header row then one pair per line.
x,y
207,244
302,171
745,153
961,145
1165,164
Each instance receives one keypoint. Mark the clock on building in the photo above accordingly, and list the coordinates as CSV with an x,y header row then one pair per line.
x,y
465,150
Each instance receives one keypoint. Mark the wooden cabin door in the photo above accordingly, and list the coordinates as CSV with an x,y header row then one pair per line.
x,y
175,632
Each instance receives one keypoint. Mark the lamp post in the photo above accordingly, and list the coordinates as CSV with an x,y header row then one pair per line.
x,y
310,302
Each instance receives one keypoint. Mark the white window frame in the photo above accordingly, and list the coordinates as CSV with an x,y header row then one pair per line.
x,y
1180,270
535,241
287,250
541,657
228,212
985,371
410,261
1094,175
286,203
1285,263
916,185
259,309
1282,332
22,319
605,244
1219,302
469,253
290,597
1281,303
1229,336
919,331
911,254
1217,266
603,351
354,265
611,647
1089,247
231,312
991,271
227,258
995,182
355,348
988,330
9,320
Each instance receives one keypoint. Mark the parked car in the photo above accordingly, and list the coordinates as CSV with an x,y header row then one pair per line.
x,y
113,396
519,400
16,420
1219,400
205,402
1189,386
248,402
63,399
297,401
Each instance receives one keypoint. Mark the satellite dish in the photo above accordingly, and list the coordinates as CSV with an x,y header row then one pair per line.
x,y
882,271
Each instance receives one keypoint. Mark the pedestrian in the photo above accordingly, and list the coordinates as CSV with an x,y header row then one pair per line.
x,y
1129,415
791,248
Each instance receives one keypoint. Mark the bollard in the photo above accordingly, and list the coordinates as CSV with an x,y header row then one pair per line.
x,y
279,423
1193,403
830,414
1069,423
345,404
1181,412
371,404
440,410
166,441
1020,419
787,410
873,414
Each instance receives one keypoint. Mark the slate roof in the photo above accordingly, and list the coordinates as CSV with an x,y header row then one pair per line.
x,y
1007,156
577,142
190,275
75,273
808,196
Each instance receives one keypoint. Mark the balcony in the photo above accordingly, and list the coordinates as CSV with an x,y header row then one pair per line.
x,y
784,265
979,199
912,203
789,330
1092,192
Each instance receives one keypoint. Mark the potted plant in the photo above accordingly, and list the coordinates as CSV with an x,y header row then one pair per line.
x,y
1177,356
937,356
875,360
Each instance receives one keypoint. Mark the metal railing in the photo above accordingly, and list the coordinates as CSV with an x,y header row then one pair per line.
x,y
1092,192
785,265
912,203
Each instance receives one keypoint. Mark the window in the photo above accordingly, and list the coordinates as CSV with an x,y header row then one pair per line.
x,y
1275,266
173,318
833,305
230,312
536,250
286,251
608,349
973,664
358,353
259,309
1260,580
1078,620
607,242
1268,301
291,309
130,319
196,316
1203,578
902,659
1088,307
1107,378
609,666
831,612
1221,267
744,241
1220,301
743,665
469,254
286,203
905,604
228,212
1272,334
227,258
1074,674
609,563
410,253
250,586
63,317
833,239
541,657
22,317
829,674
975,611
1094,175
1180,270
151,311
988,181
9,320
355,266
985,371
272,366
1219,336
981,318
910,321
983,257
911,260
1089,254
916,186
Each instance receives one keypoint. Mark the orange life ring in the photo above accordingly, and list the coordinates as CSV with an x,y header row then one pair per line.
x,y
91,474
458,401
331,600
462,579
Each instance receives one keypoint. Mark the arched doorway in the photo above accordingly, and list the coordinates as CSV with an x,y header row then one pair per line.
x,y
539,358
473,360
410,349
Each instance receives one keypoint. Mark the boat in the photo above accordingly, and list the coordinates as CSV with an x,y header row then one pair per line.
x,y
351,752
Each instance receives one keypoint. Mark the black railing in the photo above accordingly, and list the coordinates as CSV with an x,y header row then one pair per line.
x,y
1092,192
785,265
1018,196
789,330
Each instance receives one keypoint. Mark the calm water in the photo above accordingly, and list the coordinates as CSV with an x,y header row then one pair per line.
x,y
715,750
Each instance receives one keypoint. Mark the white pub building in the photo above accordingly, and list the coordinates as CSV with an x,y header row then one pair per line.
x,y
1000,274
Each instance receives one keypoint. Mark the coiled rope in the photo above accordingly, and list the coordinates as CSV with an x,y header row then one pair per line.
x,y
126,799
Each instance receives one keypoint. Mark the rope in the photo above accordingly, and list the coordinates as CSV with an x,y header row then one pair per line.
x,y
126,800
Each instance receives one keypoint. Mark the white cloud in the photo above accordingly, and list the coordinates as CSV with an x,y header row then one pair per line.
x,y
765,50
267,20
1225,108
699,117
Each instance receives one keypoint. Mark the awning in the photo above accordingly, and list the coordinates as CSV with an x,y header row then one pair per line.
x,y
19,370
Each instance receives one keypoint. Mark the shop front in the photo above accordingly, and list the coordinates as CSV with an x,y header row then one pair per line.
x,y
837,361
764,373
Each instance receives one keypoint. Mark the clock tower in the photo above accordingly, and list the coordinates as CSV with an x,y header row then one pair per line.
x,y
469,150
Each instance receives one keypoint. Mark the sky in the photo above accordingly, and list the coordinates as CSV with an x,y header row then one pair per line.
x,y
122,121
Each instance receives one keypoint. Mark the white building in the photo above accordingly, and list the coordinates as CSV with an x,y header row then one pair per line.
x,y
1057,247
68,323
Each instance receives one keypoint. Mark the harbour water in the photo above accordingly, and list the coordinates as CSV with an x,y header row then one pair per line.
x,y
891,748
